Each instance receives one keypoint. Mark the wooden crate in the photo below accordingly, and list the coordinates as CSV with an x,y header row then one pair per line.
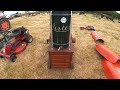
x,y
60,59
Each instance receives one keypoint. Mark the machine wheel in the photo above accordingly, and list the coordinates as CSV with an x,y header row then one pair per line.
x,y
29,39
4,24
13,58
73,40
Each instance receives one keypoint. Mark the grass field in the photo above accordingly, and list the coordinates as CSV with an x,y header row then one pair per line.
x,y
33,62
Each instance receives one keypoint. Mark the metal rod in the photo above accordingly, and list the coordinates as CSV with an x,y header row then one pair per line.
x,y
70,29
51,34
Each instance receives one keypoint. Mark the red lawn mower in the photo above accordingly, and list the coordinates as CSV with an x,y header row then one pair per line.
x,y
16,40
4,22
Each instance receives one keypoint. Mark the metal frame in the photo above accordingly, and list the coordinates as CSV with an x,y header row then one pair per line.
x,y
70,30
51,28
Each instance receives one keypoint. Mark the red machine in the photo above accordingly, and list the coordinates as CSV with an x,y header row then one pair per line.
x,y
4,22
16,43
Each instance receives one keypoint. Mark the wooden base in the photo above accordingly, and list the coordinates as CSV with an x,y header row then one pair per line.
x,y
60,59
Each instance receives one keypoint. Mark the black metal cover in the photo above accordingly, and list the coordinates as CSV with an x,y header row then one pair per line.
x,y
61,28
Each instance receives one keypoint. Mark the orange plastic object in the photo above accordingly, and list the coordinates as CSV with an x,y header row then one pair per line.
x,y
96,37
108,54
111,71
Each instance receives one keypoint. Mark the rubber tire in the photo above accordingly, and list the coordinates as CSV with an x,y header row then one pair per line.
x,y
28,37
73,40
5,19
13,58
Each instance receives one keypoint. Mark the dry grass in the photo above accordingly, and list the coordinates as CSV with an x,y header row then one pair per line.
x,y
32,63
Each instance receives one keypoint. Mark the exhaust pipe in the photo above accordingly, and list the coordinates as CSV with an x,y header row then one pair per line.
x,y
107,53
97,38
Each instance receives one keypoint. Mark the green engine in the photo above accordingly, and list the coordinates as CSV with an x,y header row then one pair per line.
x,y
60,28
